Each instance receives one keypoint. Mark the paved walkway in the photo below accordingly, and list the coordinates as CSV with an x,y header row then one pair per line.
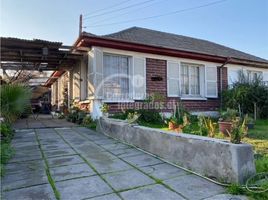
x,y
77,163
42,121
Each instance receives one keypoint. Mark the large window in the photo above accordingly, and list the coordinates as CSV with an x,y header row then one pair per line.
x,y
190,79
116,77
254,75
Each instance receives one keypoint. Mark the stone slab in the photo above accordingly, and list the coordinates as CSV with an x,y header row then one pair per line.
x,y
108,166
82,188
25,179
142,160
106,197
71,171
227,197
59,152
122,153
154,192
127,179
194,187
163,171
40,192
13,168
64,160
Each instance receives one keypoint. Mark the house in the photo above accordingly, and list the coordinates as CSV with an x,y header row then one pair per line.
x,y
124,67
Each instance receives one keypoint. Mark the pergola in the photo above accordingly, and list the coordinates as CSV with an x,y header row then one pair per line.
x,y
39,55
39,58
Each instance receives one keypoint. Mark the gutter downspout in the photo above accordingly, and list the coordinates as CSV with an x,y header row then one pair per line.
x,y
228,59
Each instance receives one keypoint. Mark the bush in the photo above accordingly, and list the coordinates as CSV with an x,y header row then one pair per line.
x,y
14,100
6,152
6,132
146,116
245,93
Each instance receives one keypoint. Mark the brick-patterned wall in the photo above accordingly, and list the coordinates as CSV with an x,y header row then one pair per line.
x,y
158,68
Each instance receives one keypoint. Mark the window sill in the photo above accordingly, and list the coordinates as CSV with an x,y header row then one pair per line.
x,y
194,98
118,101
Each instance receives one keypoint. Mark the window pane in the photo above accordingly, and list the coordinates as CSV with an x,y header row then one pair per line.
x,y
116,80
184,79
194,80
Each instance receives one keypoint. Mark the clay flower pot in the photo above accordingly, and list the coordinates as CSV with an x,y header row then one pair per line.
x,y
224,127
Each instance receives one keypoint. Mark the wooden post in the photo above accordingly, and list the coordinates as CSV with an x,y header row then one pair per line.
x,y
80,24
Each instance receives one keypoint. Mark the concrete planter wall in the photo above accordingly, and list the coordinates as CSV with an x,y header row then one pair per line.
x,y
215,158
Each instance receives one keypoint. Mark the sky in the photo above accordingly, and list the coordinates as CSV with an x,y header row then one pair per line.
x,y
239,24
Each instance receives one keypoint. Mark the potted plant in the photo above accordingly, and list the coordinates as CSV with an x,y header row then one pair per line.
x,y
249,122
238,131
226,120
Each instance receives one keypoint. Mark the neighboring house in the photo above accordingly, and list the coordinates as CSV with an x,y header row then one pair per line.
x,y
127,66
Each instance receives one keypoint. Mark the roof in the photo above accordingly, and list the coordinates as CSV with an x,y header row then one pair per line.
x,y
35,54
177,42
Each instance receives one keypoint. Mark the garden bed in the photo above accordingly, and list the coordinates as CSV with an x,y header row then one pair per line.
x,y
211,157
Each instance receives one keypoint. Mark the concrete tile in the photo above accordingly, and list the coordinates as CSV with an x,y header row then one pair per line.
x,y
64,160
142,160
106,141
154,192
41,192
94,156
13,168
127,179
24,179
106,197
107,166
227,197
24,158
122,153
115,146
71,171
194,187
48,147
83,188
59,152
163,171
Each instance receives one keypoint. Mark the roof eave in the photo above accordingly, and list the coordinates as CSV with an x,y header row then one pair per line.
x,y
89,41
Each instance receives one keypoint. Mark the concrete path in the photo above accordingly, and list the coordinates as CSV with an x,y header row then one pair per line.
x,y
77,163
42,121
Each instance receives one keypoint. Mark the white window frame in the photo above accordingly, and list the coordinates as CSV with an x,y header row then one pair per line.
x,y
190,96
251,72
173,78
130,89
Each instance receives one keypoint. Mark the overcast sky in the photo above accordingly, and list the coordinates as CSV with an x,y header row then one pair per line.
x,y
240,24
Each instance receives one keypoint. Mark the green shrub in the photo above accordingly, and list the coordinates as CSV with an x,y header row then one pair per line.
x,y
150,116
262,164
235,189
6,152
14,100
87,120
120,115
245,93
206,126
6,132
146,116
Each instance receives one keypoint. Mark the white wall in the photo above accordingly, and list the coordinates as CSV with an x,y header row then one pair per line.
x,y
233,71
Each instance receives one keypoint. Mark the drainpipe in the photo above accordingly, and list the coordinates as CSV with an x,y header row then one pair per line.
x,y
228,59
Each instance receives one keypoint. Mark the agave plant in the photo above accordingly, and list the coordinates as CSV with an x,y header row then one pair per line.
x,y
14,100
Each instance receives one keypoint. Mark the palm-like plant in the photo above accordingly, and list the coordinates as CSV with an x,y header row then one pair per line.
x,y
14,100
